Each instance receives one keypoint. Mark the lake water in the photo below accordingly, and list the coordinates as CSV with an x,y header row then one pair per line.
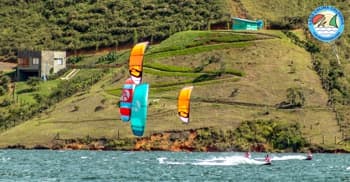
x,y
46,165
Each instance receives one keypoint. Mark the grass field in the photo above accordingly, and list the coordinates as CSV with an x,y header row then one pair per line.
x,y
268,66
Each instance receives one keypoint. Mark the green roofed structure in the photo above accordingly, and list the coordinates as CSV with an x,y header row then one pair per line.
x,y
244,24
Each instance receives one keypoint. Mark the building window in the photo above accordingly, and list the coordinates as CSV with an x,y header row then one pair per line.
x,y
59,61
35,60
23,61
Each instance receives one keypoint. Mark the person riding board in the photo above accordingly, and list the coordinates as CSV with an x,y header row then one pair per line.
x,y
247,155
267,158
309,156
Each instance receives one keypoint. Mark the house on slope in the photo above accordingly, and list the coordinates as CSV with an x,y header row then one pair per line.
x,y
245,24
39,63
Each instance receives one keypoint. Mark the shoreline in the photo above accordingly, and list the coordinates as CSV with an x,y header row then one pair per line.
x,y
169,141
335,151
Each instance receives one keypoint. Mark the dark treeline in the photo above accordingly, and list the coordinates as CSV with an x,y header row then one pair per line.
x,y
92,24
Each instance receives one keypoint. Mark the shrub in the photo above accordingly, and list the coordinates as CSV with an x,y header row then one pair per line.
x,y
295,97
307,45
4,84
103,101
75,108
74,59
279,134
6,102
109,58
4,80
99,108
2,91
58,74
33,82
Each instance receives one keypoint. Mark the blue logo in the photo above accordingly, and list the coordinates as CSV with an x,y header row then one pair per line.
x,y
326,23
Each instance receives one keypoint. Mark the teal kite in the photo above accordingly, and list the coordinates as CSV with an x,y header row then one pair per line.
x,y
139,108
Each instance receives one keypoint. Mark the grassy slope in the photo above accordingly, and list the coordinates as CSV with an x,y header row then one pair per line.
x,y
275,10
25,95
265,64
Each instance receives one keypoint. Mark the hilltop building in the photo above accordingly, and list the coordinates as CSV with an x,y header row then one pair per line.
x,y
39,63
244,24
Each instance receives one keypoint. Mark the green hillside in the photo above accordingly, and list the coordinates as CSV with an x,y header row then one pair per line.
x,y
237,76
294,14
265,69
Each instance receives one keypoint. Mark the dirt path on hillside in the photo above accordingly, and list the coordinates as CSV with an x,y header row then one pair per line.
x,y
70,74
238,9
7,66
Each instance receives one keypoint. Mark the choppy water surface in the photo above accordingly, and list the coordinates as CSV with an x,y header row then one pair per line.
x,y
32,165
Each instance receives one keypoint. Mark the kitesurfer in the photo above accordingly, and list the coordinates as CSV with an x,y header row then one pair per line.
x,y
309,156
247,155
267,158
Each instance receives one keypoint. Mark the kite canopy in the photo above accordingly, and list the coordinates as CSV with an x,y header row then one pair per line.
x,y
136,61
126,100
183,106
316,19
139,109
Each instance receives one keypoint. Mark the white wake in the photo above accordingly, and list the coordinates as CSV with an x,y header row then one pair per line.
x,y
162,160
228,161
215,161
288,157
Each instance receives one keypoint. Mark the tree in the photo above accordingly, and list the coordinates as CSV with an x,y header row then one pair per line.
x,y
4,81
2,91
295,97
4,84
33,82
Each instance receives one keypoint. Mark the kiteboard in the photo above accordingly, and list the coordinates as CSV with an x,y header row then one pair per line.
x,y
308,158
267,163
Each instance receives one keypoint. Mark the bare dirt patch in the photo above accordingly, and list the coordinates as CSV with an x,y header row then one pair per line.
x,y
7,66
